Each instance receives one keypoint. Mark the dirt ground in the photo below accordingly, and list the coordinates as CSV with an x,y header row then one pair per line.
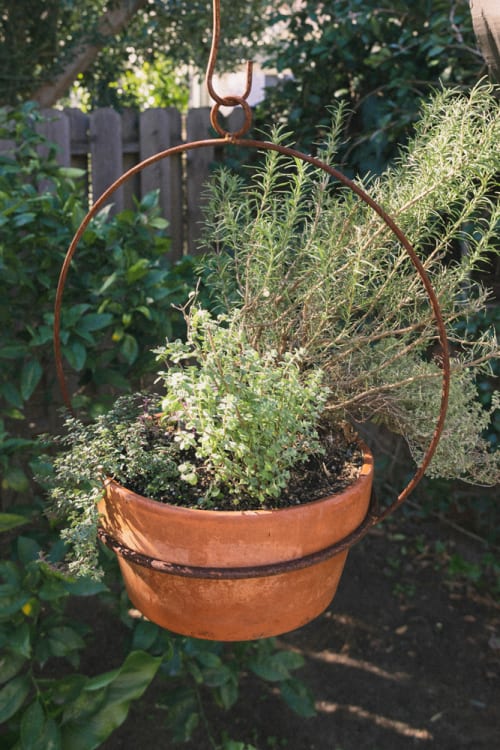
x,y
407,656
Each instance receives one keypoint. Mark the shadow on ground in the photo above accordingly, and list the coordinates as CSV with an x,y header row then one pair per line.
x,y
407,656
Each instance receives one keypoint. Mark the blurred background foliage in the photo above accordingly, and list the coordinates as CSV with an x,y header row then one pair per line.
x,y
380,57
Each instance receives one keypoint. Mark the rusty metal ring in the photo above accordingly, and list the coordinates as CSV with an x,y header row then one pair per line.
x,y
239,573
231,101
351,185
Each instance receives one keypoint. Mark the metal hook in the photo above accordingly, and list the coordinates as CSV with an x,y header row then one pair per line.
x,y
231,100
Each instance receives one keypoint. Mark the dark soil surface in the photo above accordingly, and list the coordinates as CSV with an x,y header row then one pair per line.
x,y
319,475
407,656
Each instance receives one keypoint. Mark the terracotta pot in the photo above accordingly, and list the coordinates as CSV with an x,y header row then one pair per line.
x,y
233,609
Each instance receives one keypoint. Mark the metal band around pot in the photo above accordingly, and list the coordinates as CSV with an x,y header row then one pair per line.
x,y
232,139
238,573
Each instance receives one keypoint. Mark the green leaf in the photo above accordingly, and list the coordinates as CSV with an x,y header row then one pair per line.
x,y
435,51
13,695
129,348
137,271
63,640
126,684
11,394
65,691
14,478
52,590
32,726
59,549
265,669
72,173
183,714
298,697
208,659
228,744
41,336
276,667
228,694
14,444
27,549
86,704
145,634
144,311
13,351
94,321
73,314
22,219
76,354
109,281
12,576
149,201
217,677
11,521
158,223
12,604
20,641
31,374
195,672
51,737
84,587
10,665
289,659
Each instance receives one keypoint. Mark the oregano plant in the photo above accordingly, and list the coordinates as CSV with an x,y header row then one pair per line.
x,y
249,416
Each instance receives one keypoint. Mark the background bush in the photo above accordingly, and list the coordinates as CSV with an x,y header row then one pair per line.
x,y
117,304
379,57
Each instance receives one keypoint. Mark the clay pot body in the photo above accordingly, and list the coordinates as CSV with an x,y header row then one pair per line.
x,y
229,609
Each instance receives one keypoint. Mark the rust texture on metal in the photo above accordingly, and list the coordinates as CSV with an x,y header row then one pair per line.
x,y
255,571
234,139
231,100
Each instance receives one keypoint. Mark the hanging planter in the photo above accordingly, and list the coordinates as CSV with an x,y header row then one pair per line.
x,y
243,574
232,575
235,575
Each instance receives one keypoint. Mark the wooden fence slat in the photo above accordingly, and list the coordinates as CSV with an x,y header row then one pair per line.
x,y
130,156
106,154
198,167
159,129
55,127
79,125
104,144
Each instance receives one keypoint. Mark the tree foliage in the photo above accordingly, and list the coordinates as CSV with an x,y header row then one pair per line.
x,y
382,57
49,42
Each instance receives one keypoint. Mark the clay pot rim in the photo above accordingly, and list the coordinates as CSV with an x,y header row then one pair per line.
x,y
335,498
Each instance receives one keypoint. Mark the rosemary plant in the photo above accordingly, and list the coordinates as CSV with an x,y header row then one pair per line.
x,y
311,267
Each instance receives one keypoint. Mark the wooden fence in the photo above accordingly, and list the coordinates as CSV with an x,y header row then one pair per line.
x,y
105,144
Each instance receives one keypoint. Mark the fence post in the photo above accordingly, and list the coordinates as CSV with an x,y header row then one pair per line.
x,y
198,169
159,129
55,127
106,154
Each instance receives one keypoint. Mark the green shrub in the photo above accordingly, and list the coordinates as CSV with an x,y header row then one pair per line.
x,y
47,702
382,58
119,296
